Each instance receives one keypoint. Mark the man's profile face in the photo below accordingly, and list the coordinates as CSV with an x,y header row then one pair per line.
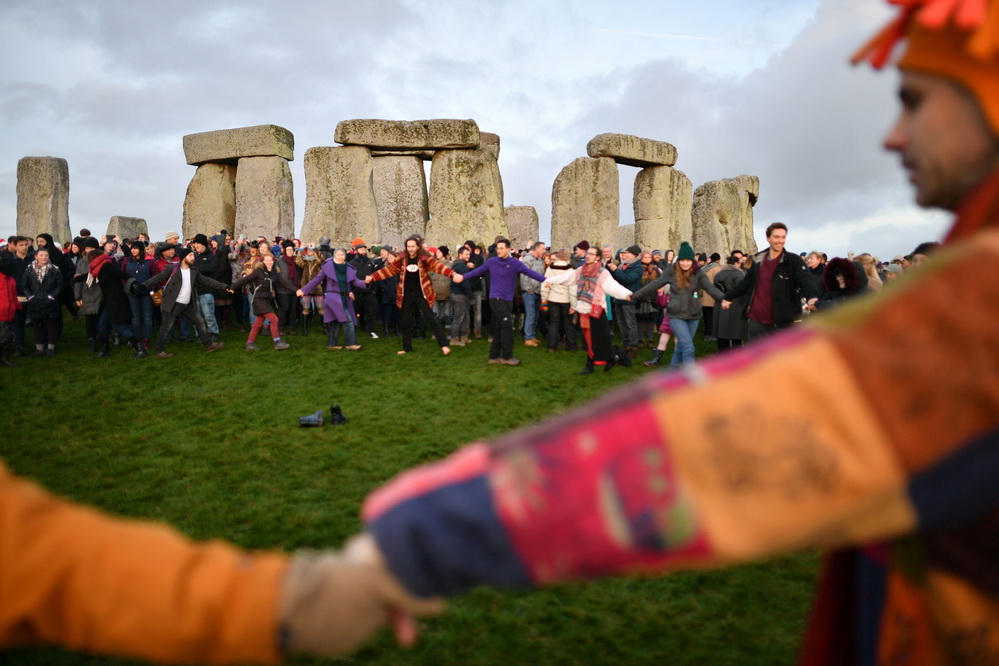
x,y
811,261
199,248
580,252
627,257
777,238
944,141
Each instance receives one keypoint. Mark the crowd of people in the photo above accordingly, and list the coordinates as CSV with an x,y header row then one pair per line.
x,y
284,282
125,289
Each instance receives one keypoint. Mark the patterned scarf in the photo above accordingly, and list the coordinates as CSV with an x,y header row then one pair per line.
x,y
40,271
586,284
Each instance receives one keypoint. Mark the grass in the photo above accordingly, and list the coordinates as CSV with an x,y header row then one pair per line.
x,y
209,443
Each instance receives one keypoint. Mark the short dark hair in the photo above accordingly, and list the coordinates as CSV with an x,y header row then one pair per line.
x,y
505,241
926,248
537,243
715,256
14,240
776,225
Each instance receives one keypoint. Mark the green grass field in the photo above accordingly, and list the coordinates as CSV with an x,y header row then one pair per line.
x,y
210,444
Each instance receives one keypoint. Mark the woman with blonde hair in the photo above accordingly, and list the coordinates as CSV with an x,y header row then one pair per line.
x,y
870,265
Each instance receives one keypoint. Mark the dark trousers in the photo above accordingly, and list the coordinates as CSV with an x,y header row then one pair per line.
x,y
709,319
413,300
759,330
190,312
287,310
502,320
366,306
560,326
599,340
725,344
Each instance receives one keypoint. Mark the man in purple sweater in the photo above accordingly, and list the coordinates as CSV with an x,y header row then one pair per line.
x,y
503,271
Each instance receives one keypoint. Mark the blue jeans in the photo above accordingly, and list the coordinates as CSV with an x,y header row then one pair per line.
x,y
206,307
683,350
531,305
349,333
142,316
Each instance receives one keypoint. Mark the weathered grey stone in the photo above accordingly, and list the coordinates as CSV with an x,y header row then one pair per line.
x,y
585,203
436,134
490,143
662,199
210,204
230,145
43,197
522,222
723,215
632,150
400,189
265,198
425,155
625,237
466,198
339,197
127,227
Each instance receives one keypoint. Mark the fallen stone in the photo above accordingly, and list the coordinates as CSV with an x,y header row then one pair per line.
x,y
265,198
400,190
210,203
230,145
522,222
339,196
126,227
585,203
466,198
43,198
632,150
723,215
440,134
662,200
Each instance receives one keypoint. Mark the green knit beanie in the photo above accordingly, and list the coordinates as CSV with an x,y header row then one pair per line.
x,y
686,252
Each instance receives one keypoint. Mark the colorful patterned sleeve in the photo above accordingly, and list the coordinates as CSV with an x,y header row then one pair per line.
x,y
824,436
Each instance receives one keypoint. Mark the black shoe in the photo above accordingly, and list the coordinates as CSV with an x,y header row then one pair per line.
x,y
105,349
588,368
92,345
336,416
5,358
312,420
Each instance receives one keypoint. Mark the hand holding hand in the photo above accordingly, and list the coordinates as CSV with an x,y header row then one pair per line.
x,y
300,293
458,277
726,304
368,280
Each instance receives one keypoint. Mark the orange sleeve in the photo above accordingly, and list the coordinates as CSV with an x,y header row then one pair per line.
x,y
78,578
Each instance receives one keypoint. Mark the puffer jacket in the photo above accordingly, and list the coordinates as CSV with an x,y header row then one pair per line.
x,y
556,293
684,302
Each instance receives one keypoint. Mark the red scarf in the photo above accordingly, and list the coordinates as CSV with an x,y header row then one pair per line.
x,y
980,209
98,263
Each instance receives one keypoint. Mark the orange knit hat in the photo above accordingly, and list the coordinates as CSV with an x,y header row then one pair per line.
x,y
958,39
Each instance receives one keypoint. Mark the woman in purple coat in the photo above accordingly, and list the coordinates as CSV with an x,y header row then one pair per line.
x,y
338,301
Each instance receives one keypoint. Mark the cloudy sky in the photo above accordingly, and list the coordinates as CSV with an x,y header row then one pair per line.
x,y
738,86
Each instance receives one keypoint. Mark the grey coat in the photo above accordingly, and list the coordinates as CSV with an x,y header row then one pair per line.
x,y
683,302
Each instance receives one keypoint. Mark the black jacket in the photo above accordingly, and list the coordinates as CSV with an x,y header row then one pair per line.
x,y
174,283
791,282
364,266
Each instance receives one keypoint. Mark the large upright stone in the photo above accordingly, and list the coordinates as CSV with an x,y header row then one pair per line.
x,y
490,143
625,237
723,215
127,227
230,145
632,150
466,197
585,203
662,199
339,197
522,222
265,198
43,197
400,189
210,204
437,134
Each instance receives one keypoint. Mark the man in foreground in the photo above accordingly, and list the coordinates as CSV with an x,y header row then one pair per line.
x,y
886,459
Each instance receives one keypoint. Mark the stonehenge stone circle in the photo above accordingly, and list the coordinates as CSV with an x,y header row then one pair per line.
x,y
522,222
339,195
425,155
440,134
43,197
662,201
585,202
723,215
625,237
632,150
466,197
210,204
265,198
400,191
127,227
229,145
490,143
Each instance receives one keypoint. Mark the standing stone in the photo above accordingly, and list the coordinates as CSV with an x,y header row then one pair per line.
x,y
339,196
625,237
127,227
466,198
265,198
438,134
585,203
400,189
43,197
632,150
522,221
232,144
723,215
662,200
210,204
490,143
